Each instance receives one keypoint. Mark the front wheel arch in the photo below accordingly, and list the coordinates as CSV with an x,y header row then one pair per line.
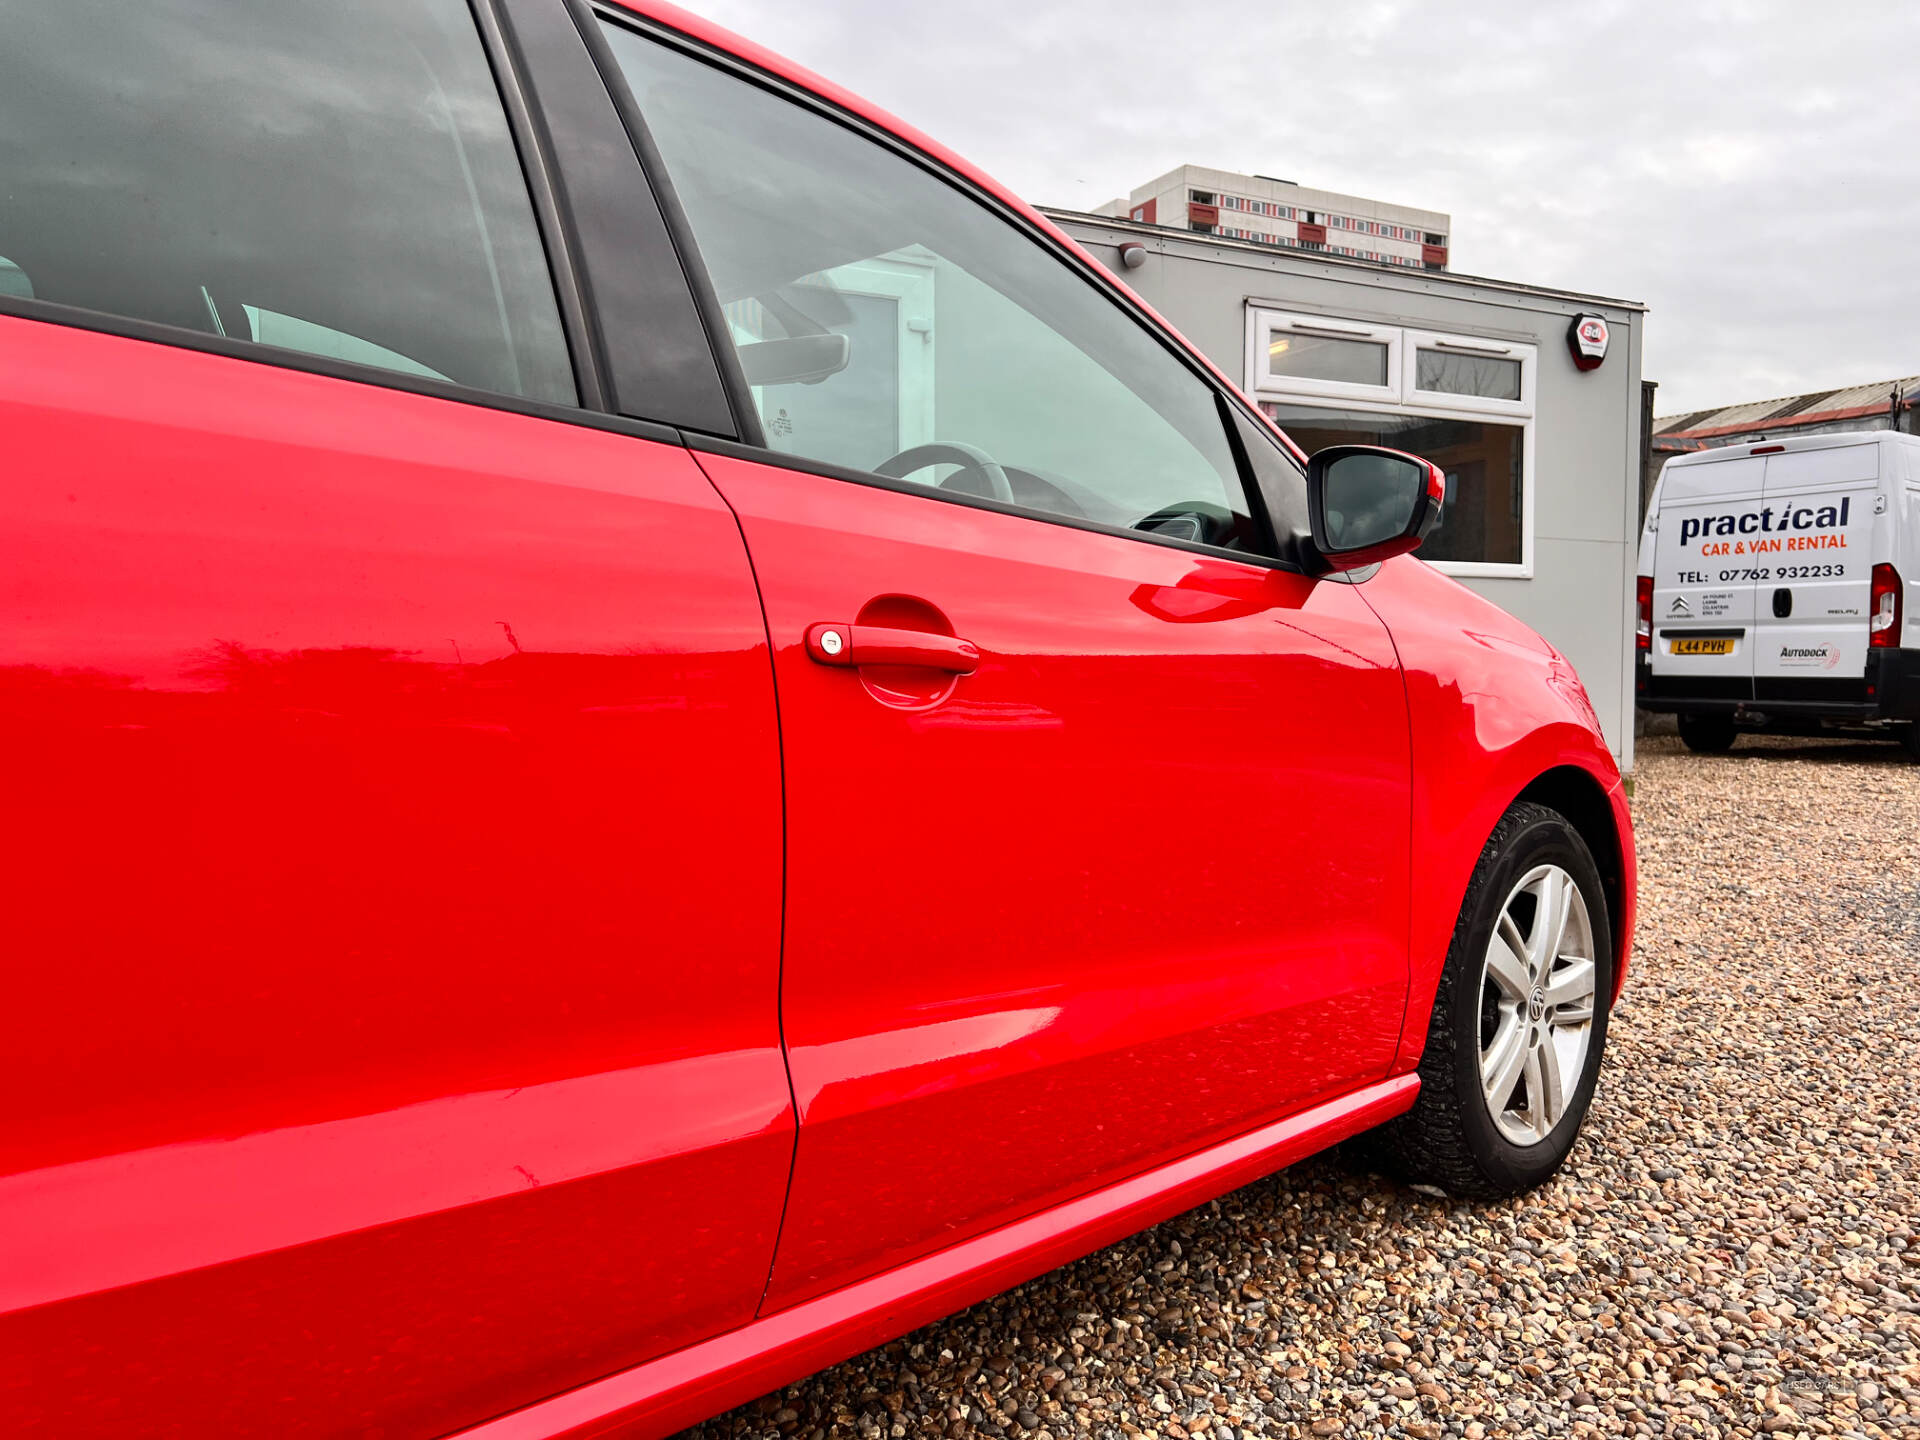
x,y
1577,795
1453,1137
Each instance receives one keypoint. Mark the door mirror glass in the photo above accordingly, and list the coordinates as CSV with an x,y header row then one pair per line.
x,y
1367,504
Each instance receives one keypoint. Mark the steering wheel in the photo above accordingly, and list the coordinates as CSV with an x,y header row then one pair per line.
x,y
950,452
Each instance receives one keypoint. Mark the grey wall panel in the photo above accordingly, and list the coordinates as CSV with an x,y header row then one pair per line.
x,y
1586,438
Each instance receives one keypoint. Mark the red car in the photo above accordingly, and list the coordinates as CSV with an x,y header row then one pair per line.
x,y
652,735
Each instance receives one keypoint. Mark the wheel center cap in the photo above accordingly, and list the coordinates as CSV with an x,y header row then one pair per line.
x,y
1537,1005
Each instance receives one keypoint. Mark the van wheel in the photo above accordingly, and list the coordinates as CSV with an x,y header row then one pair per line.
x,y
1519,1021
1707,734
1910,738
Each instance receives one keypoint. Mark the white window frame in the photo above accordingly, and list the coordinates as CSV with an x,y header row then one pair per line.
x,y
1264,324
1401,397
1472,347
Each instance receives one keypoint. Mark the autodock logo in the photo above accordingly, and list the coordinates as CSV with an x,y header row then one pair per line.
x,y
1819,657
1769,531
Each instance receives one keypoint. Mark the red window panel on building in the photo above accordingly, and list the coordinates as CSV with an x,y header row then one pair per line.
x,y
1147,214
1200,214
1433,254
1312,234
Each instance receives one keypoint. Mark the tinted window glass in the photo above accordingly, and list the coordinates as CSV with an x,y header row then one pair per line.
x,y
878,310
334,178
1481,519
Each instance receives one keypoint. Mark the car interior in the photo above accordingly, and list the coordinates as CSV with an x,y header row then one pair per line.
x,y
975,361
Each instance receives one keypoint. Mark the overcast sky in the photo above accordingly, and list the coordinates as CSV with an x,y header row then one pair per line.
x,y
1750,171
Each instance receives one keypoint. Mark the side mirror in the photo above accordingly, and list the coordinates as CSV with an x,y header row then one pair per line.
x,y
1368,504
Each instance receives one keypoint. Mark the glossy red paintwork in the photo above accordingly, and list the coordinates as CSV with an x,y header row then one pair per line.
x,y
398,829
660,1397
1494,708
392,880
1040,931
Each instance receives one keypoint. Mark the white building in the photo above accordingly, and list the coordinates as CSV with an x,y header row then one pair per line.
x,y
1279,212
1541,444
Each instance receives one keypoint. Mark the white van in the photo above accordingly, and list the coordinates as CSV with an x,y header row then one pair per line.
x,y
1775,578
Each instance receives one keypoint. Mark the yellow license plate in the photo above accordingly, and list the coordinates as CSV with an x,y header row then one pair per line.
x,y
1703,647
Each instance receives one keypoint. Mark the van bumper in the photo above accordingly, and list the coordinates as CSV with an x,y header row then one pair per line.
x,y
1890,690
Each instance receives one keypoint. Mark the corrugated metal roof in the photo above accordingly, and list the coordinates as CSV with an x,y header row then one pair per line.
x,y
1679,424
1786,412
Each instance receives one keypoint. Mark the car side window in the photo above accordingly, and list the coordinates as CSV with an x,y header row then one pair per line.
x,y
333,179
888,322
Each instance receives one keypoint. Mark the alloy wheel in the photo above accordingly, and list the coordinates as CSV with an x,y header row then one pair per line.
x,y
1536,1005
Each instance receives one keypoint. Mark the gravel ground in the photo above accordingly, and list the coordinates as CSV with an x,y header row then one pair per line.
x,y
1732,1249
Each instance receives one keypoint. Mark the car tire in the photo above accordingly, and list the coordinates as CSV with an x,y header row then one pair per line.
x,y
1707,734
1455,1138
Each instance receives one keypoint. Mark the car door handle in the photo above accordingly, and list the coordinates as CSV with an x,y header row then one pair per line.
x,y
835,644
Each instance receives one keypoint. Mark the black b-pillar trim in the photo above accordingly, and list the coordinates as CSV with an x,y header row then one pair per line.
x,y
653,348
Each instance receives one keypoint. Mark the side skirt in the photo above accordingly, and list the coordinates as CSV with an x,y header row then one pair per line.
x,y
674,1391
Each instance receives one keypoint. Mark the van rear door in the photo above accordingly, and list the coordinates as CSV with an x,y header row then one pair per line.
x,y
1704,581
1815,556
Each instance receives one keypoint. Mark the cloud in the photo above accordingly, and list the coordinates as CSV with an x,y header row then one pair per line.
x,y
1747,169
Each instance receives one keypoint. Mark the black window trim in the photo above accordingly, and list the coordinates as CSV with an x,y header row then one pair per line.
x,y
661,365
1285,548
746,418
557,245
587,12
535,150
176,337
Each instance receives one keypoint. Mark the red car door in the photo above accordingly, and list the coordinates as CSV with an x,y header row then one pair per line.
x,y
391,856
1097,816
